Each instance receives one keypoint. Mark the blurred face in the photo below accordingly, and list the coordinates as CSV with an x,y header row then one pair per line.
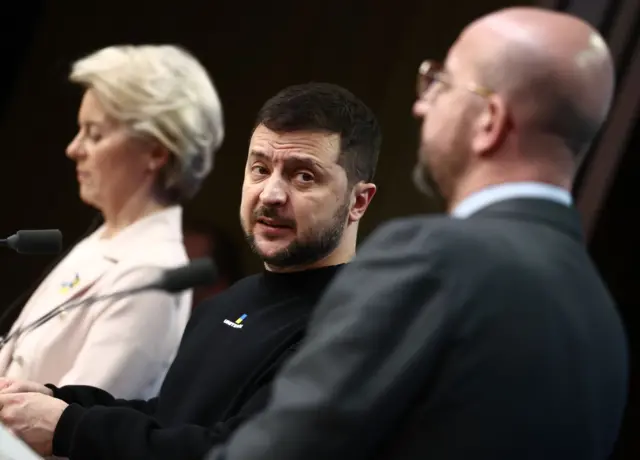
x,y
448,108
112,164
296,201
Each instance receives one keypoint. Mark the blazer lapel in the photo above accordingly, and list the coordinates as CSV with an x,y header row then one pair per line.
x,y
75,284
65,285
166,224
54,292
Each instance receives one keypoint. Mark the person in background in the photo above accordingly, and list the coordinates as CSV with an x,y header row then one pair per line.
x,y
307,183
149,123
486,333
203,239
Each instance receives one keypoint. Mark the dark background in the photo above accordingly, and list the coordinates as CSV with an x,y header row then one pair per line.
x,y
253,50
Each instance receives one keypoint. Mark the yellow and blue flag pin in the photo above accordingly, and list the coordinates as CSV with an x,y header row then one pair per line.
x,y
65,286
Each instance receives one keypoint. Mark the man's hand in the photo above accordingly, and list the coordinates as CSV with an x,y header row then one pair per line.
x,y
8,386
33,418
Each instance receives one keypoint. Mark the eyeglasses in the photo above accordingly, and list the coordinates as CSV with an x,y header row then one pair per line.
x,y
431,72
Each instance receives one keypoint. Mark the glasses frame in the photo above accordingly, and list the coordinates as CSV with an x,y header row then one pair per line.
x,y
431,72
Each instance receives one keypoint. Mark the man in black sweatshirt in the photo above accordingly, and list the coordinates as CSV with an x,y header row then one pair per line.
x,y
308,182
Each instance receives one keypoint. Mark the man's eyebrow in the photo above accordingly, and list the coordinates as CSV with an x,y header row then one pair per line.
x,y
305,161
259,155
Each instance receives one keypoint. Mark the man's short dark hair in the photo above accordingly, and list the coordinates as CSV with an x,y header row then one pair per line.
x,y
333,109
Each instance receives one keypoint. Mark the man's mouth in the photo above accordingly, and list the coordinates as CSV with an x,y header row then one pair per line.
x,y
273,223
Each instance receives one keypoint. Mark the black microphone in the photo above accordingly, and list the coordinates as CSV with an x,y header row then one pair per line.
x,y
199,272
34,242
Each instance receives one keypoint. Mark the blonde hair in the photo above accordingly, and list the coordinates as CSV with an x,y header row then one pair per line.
x,y
164,92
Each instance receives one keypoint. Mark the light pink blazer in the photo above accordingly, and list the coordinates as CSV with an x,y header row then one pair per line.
x,y
122,346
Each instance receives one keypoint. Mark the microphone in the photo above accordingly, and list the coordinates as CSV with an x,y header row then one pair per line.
x,y
199,272
34,242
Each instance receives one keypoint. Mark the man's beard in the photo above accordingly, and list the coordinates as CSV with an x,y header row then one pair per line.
x,y
426,184
314,246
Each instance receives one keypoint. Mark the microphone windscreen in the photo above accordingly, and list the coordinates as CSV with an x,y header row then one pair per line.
x,y
36,241
200,272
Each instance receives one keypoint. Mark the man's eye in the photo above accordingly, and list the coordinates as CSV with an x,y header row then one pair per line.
x,y
259,169
305,177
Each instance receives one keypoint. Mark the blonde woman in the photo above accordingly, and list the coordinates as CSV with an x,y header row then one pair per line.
x,y
149,122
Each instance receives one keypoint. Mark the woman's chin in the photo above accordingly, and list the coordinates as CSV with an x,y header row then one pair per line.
x,y
87,197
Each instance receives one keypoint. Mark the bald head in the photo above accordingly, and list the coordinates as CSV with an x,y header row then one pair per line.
x,y
554,70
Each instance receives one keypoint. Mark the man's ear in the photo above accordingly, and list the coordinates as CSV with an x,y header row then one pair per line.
x,y
491,127
362,195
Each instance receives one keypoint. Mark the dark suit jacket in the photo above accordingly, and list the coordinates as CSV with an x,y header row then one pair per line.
x,y
491,337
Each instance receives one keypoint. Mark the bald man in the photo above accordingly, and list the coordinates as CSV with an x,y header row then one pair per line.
x,y
486,333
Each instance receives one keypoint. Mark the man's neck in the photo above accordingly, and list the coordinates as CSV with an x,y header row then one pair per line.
x,y
329,261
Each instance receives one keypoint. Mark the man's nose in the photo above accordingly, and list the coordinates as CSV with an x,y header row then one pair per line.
x,y
274,192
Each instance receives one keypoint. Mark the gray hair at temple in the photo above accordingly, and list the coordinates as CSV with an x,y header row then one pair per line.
x,y
160,91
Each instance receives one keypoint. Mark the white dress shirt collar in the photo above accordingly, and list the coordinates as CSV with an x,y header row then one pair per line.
x,y
509,191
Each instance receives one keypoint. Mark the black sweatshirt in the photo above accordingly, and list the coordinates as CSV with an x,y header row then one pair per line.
x,y
233,345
